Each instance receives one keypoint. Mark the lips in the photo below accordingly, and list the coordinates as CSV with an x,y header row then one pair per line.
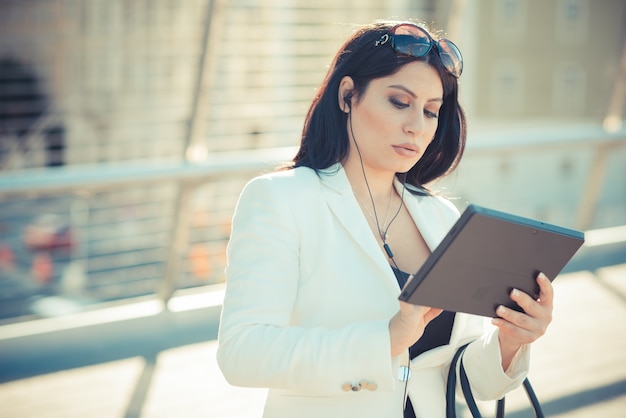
x,y
406,150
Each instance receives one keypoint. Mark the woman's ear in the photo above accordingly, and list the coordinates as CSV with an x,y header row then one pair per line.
x,y
345,94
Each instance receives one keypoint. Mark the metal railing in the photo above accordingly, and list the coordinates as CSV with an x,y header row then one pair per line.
x,y
80,180
25,189
542,139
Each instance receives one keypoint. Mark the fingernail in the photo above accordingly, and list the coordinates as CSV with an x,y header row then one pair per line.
x,y
501,309
515,292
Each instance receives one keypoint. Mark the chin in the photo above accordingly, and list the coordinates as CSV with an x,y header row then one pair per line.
x,y
403,168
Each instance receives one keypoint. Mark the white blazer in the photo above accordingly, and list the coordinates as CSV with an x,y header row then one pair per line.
x,y
308,301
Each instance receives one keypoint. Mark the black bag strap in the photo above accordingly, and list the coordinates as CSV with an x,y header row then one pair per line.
x,y
467,392
451,386
534,401
469,397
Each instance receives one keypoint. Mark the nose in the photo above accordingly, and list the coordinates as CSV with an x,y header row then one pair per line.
x,y
415,125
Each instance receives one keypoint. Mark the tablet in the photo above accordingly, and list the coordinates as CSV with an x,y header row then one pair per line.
x,y
484,256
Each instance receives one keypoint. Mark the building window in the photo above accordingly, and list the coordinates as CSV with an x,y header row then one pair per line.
x,y
572,21
569,89
507,88
510,19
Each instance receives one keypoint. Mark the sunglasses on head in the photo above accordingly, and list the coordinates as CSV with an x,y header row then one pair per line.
x,y
410,39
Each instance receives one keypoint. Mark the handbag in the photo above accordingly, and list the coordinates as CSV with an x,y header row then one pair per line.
x,y
469,398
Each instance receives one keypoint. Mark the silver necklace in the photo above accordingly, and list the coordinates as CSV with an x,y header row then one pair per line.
x,y
381,232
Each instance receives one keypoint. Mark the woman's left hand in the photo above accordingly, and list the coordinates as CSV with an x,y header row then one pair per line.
x,y
519,328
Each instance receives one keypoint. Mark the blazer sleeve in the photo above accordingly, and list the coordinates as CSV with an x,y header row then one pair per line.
x,y
257,344
483,363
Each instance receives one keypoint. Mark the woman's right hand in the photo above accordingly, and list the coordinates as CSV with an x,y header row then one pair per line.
x,y
408,325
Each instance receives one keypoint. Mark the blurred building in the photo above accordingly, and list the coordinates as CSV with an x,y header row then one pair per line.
x,y
122,76
107,81
543,60
90,82
551,72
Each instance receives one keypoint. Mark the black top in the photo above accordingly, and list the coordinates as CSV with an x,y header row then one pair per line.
x,y
436,334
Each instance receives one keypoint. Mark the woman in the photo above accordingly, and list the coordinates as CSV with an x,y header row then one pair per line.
x,y
319,252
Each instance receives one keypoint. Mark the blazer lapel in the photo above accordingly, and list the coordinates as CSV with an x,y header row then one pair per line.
x,y
427,217
426,214
342,202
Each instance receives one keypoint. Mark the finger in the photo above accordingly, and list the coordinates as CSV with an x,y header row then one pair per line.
x,y
411,309
517,327
526,302
432,314
515,333
546,291
518,319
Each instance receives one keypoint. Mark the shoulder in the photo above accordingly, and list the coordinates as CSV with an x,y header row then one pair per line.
x,y
445,205
291,175
435,202
277,198
288,184
285,178
442,209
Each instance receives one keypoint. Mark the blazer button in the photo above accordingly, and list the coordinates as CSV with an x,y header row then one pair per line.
x,y
368,385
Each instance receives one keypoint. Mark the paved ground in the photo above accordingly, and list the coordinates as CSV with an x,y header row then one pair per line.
x,y
163,365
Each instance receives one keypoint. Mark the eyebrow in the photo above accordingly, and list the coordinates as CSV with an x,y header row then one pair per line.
x,y
413,95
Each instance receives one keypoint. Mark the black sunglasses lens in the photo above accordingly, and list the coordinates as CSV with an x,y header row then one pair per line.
x,y
410,40
450,57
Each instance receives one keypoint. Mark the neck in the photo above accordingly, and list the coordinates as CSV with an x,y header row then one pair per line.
x,y
380,183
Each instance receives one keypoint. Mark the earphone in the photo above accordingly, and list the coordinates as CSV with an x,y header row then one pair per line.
x,y
348,101
383,233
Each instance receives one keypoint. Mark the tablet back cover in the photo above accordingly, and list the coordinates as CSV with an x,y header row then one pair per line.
x,y
485,255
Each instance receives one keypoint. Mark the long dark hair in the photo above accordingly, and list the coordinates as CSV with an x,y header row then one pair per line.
x,y
325,138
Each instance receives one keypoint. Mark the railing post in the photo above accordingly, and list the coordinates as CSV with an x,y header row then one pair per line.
x,y
178,241
591,193
200,101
